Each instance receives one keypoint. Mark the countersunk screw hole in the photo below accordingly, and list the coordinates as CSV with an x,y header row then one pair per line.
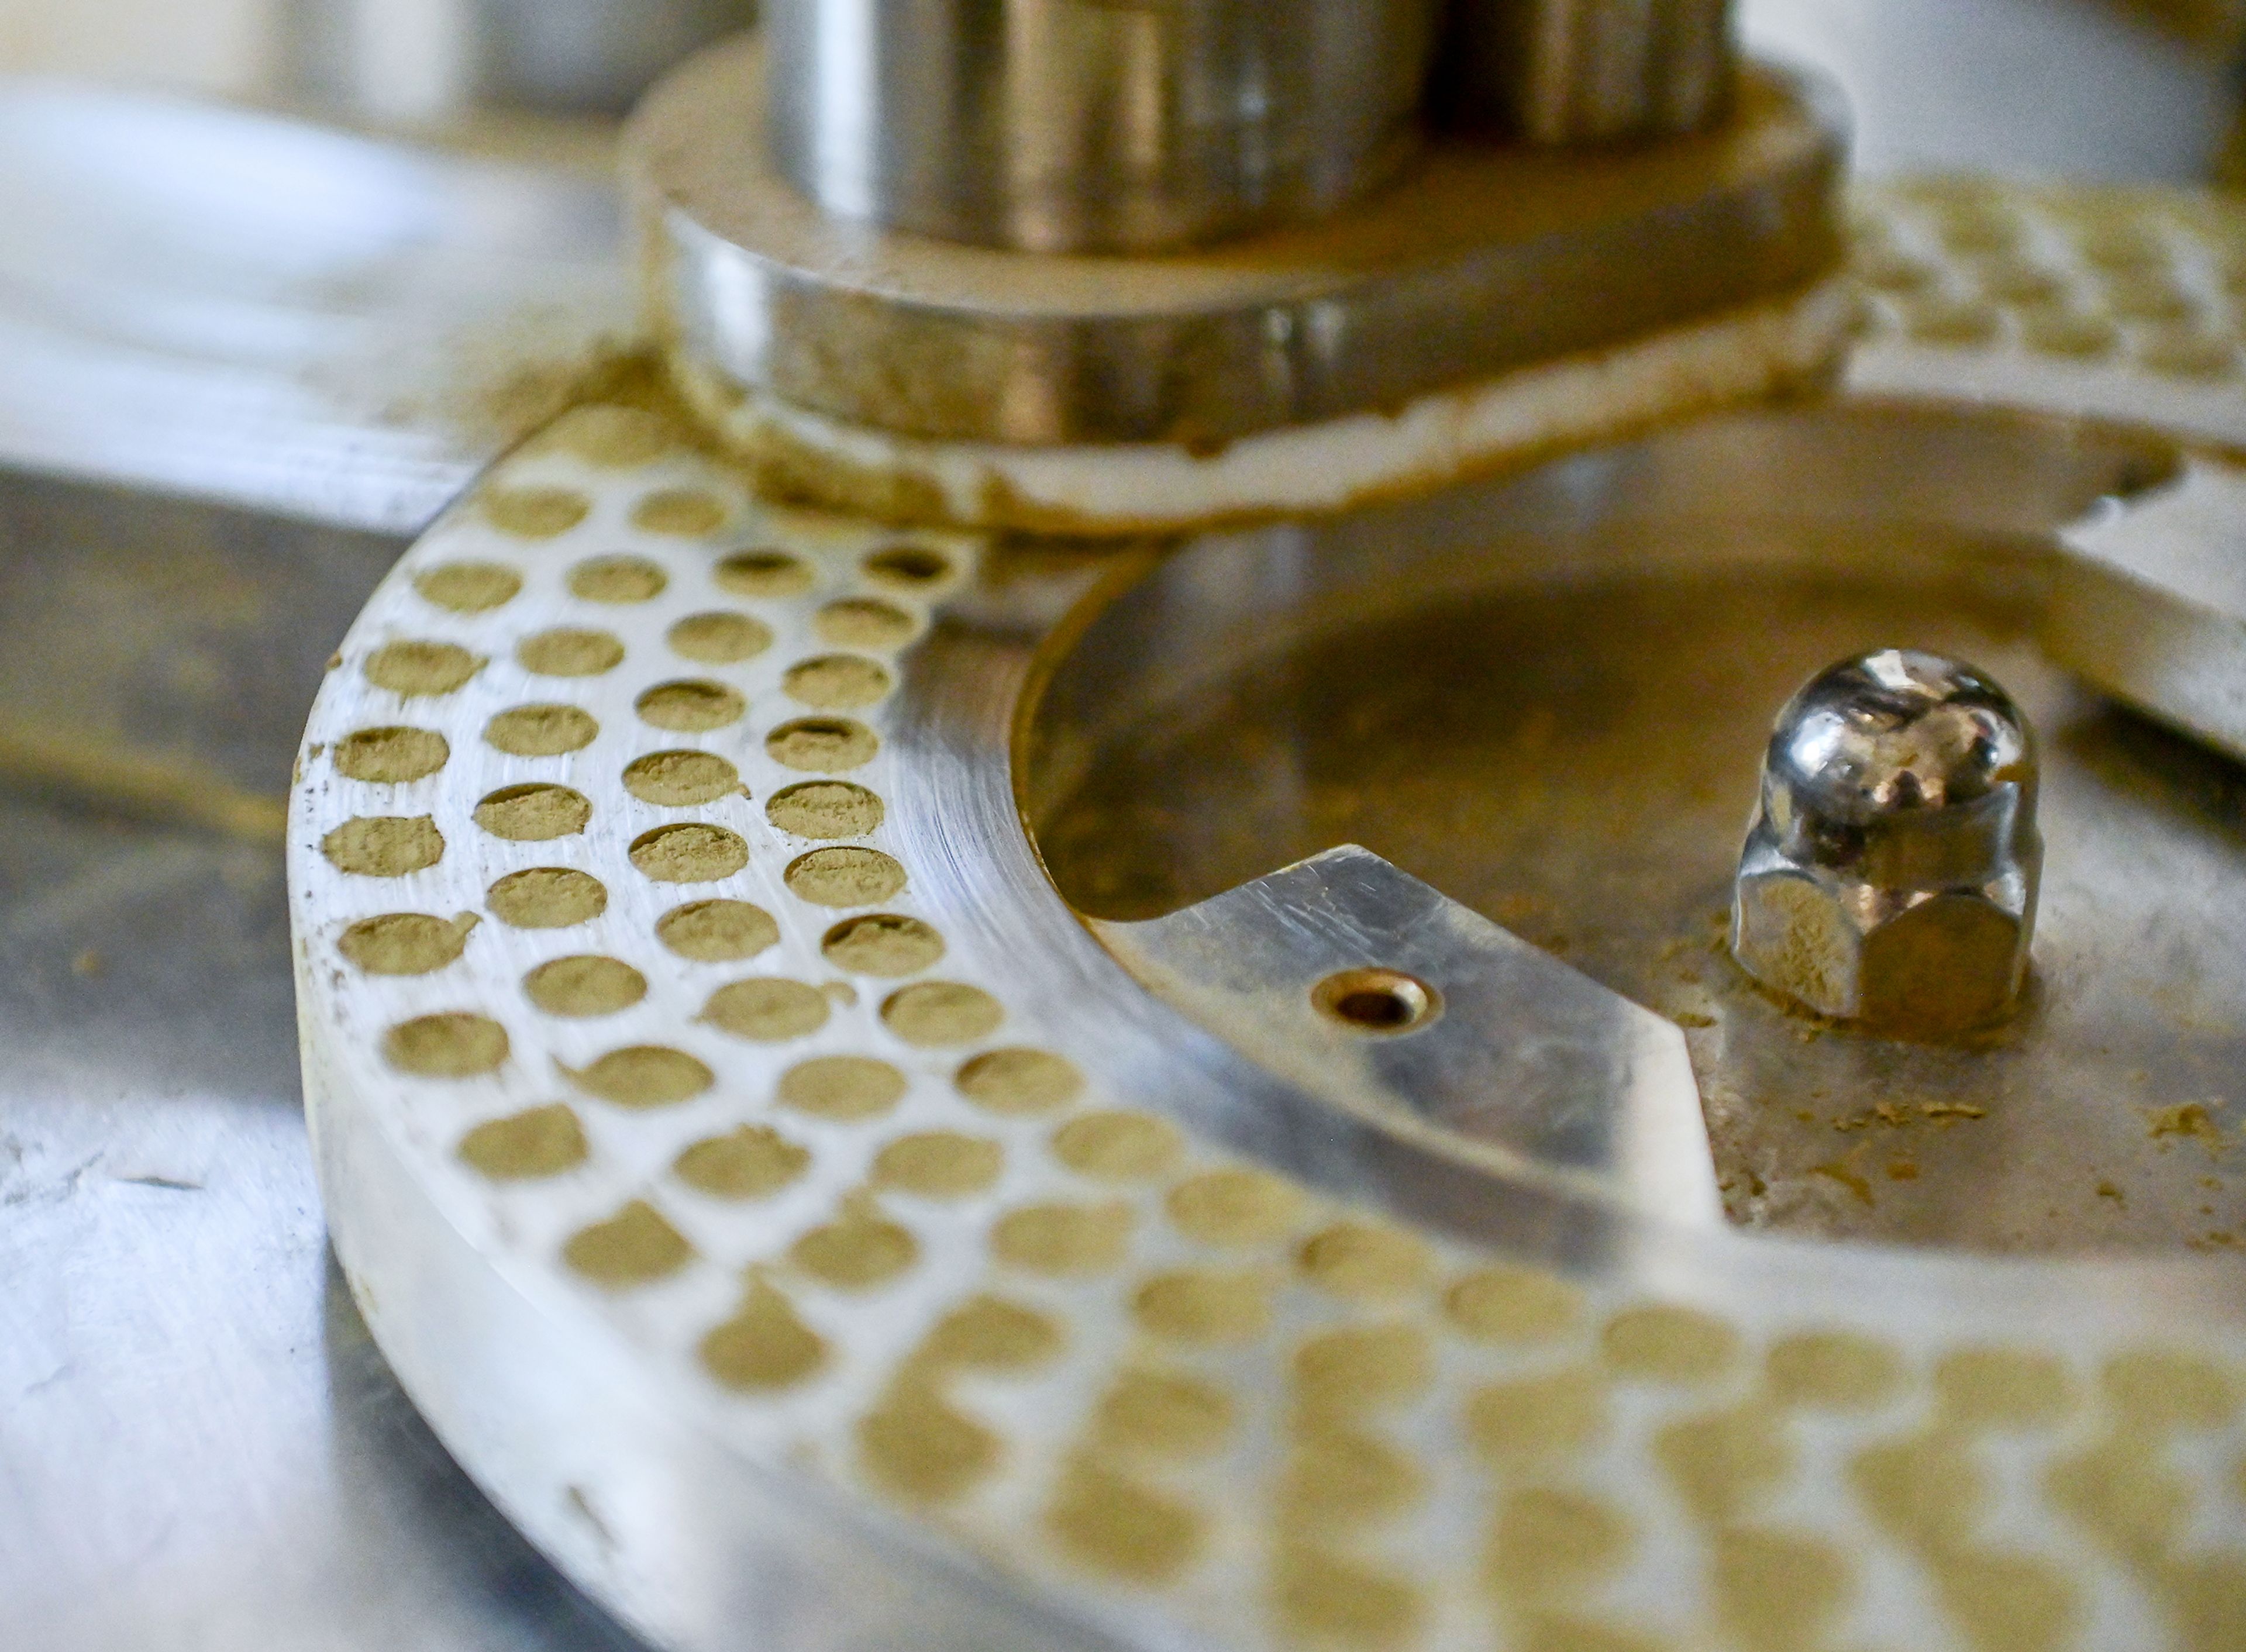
x,y
1381,1003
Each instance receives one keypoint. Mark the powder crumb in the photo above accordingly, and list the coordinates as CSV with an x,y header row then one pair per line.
x,y
1114,1525
89,964
916,1446
764,1346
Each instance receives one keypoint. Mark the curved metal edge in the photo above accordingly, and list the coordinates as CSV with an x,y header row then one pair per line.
x,y
1478,262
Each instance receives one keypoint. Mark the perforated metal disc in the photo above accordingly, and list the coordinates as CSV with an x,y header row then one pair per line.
x,y
812,1238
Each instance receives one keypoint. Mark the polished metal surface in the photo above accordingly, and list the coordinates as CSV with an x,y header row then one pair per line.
x,y
1548,699
200,1449
1890,875
208,301
444,59
1074,125
1483,258
1573,71
1516,1061
2150,605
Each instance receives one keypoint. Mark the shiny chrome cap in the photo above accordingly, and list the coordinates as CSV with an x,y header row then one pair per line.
x,y
1890,873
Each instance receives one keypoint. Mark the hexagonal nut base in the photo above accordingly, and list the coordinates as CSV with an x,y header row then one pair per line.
x,y
1944,965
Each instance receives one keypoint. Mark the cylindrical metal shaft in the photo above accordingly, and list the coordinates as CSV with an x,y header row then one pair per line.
x,y
1076,125
1566,71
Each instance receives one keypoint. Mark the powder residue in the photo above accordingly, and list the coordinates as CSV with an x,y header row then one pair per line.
x,y
823,809
845,1089
547,898
588,984
847,876
450,1044
543,731
694,852
717,931
752,1161
385,845
543,1141
534,813
392,756
405,943
644,1076
769,1010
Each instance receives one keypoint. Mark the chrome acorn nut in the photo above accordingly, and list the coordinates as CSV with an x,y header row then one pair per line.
x,y
1890,875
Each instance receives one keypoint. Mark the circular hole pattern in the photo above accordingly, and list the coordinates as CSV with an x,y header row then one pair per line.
x,y
717,931
883,943
405,943
391,757
845,1089
1382,1002
453,1044
681,779
534,512
421,669
547,898
570,650
908,567
691,707
770,1010
822,745
932,1014
695,853
836,682
719,638
684,511
534,813
617,579
847,876
763,573
543,731
469,587
586,985
864,622
825,809
384,846
644,1076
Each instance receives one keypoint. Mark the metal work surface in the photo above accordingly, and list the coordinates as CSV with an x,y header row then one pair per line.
x,y
1559,724
200,1447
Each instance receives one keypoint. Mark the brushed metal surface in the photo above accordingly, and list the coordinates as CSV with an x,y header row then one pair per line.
x,y
1483,258
207,301
1549,702
201,1448
1529,1063
1071,126
1563,71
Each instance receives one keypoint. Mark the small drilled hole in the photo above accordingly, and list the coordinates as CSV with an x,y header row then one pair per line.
x,y
1379,1002
908,565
